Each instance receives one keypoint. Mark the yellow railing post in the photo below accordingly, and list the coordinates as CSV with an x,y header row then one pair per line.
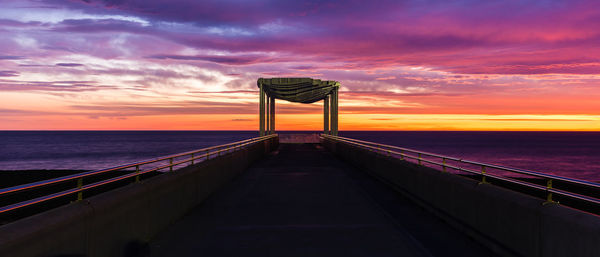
x,y
137,171
192,158
419,158
401,155
483,177
80,193
549,199
444,164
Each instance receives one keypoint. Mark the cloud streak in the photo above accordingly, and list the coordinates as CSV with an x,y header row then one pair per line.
x,y
9,73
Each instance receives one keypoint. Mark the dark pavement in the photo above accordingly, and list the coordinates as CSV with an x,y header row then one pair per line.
x,y
302,201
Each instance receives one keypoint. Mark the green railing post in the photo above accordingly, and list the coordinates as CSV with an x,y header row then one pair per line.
x,y
137,171
80,193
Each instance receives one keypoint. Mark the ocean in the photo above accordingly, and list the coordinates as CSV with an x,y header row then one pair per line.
x,y
571,154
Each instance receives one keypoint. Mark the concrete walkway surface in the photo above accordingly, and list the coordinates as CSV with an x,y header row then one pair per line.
x,y
302,201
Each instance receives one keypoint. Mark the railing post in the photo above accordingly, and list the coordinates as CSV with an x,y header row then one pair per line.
x,y
444,164
80,193
192,158
483,177
549,199
171,164
402,155
137,171
207,154
420,159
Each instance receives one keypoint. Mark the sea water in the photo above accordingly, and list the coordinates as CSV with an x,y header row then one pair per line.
x,y
572,154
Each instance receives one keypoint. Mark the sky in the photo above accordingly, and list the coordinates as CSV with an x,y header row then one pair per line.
x,y
402,64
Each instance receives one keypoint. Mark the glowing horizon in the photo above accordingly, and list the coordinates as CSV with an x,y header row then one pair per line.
x,y
406,65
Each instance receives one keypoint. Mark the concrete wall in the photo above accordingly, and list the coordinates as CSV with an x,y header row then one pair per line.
x,y
510,223
121,221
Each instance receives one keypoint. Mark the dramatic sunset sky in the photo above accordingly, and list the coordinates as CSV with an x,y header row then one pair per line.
x,y
403,64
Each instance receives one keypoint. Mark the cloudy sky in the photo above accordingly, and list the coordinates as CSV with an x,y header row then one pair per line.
x,y
403,64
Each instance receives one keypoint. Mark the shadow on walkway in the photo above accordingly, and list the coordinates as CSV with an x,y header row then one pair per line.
x,y
302,201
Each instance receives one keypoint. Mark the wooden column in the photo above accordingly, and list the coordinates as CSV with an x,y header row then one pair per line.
x,y
334,116
326,115
332,112
272,109
261,111
267,114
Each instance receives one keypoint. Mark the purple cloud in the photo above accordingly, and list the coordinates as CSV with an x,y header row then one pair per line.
x,y
462,37
69,64
11,57
9,73
17,24
98,25
220,12
229,60
52,86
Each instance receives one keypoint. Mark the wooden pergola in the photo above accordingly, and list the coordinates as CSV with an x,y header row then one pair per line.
x,y
300,90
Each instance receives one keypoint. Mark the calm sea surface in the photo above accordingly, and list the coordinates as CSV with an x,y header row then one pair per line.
x,y
572,154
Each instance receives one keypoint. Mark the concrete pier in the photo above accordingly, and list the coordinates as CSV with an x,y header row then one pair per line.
x,y
306,199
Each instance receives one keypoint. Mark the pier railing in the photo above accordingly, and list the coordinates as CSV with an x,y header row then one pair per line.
x,y
136,170
446,163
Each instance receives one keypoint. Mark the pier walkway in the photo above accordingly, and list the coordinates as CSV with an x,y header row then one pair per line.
x,y
303,201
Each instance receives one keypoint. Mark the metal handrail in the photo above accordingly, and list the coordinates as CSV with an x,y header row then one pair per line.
x,y
419,158
206,153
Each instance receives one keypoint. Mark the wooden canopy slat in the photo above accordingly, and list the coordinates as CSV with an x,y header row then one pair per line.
x,y
299,90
